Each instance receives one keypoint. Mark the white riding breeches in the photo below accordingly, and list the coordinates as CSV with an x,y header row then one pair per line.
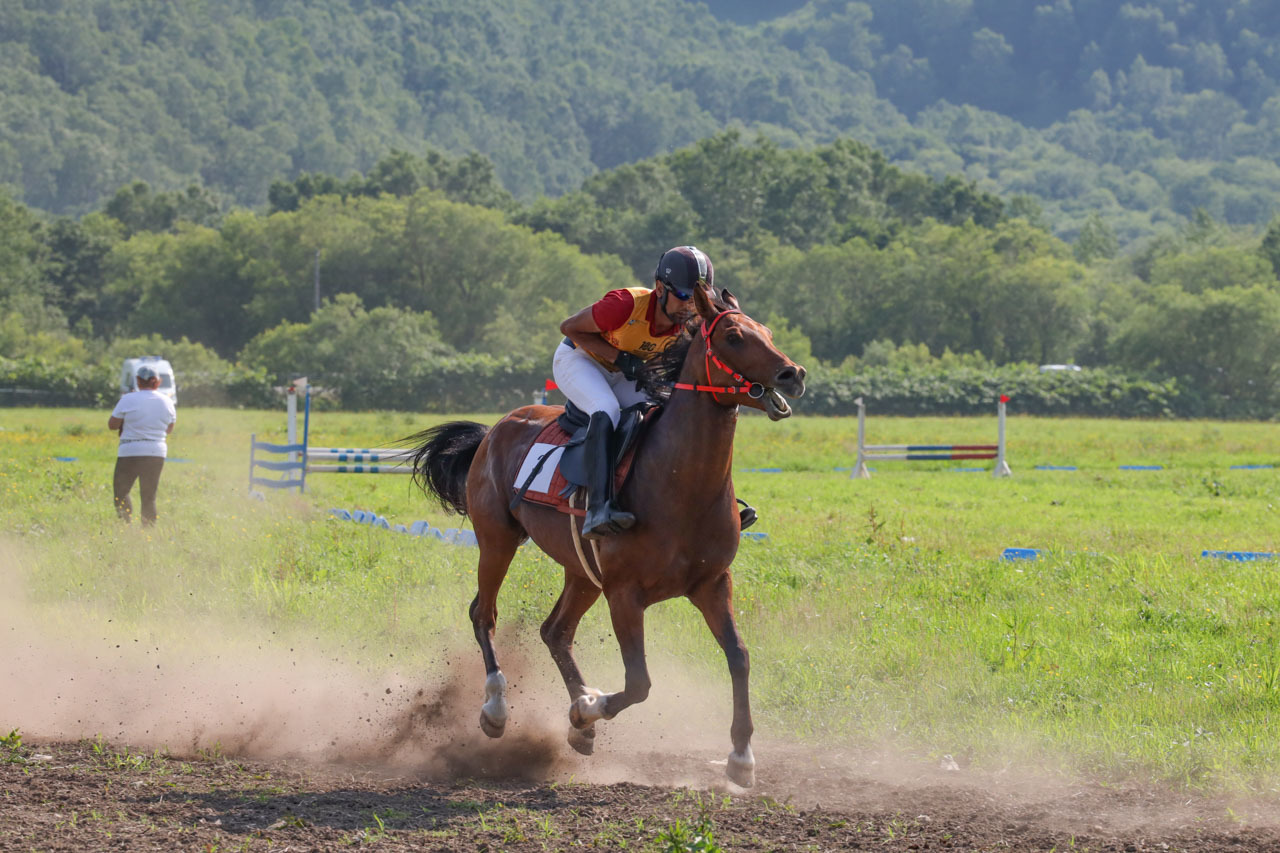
x,y
590,386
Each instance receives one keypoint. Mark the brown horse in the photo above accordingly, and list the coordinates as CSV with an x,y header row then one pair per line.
x,y
680,489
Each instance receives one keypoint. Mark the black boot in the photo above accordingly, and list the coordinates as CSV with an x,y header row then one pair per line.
x,y
603,518
746,515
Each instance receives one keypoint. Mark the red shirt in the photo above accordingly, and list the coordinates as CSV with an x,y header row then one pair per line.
x,y
615,308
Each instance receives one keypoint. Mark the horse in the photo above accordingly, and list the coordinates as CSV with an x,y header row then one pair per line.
x,y
680,489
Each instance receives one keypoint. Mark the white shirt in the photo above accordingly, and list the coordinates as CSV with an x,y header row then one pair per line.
x,y
147,415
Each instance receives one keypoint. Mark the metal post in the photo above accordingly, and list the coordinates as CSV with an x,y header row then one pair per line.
x,y
1002,465
860,471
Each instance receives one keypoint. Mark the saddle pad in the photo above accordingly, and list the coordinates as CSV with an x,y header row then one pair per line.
x,y
549,487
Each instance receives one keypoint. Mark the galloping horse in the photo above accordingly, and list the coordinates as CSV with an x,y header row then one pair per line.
x,y
681,491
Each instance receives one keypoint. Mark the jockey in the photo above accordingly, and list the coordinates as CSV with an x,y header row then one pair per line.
x,y
597,363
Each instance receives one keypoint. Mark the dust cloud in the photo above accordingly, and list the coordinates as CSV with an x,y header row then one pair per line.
x,y
67,673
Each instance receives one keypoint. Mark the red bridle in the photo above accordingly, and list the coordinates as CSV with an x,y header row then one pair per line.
x,y
754,390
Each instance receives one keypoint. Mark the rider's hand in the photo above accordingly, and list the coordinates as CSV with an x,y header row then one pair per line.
x,y
629,364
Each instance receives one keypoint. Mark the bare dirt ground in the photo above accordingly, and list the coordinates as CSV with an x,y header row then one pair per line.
x,y
239,740
89,795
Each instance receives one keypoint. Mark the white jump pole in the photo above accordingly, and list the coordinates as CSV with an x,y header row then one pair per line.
x,y
860,471
1002,464
297,388
291,407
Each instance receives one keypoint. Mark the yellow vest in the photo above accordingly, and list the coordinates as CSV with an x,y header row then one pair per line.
x,y
634,336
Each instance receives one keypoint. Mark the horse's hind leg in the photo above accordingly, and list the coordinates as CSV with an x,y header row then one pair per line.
x,y
558,632
497,548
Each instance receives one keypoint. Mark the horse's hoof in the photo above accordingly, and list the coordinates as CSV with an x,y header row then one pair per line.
x,y
488,727
494,711
583,740
586,709
742,768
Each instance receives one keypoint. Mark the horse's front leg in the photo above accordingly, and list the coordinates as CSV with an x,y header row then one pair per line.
x,y
626,610
715,600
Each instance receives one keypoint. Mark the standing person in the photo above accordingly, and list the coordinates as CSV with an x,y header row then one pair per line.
x,y
604,347
144,418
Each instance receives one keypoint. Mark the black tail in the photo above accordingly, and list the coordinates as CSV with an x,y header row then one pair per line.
x,y
441,459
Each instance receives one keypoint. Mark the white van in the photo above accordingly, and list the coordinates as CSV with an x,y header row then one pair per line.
x,y
129,381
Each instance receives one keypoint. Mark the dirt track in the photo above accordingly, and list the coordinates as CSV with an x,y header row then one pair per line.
x,y
90,796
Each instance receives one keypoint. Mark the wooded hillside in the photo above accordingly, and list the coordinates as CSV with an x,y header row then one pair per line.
x,y
1141,112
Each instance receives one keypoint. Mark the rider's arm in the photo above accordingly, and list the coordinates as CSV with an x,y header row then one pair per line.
x,y
114,424
581,328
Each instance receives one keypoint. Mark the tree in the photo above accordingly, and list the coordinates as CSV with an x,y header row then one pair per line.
x,y
1270,247
1224,344
1096,240
137,208
368,357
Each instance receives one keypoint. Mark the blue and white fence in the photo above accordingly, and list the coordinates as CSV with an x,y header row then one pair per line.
x,y
293,463
294,451
929,452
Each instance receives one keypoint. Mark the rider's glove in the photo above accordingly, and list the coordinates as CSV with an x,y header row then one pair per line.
x,y
629,364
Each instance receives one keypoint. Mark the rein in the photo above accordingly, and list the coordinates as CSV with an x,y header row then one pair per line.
x,y
754,390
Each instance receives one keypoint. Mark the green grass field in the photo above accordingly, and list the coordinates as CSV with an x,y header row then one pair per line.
x,y
876,611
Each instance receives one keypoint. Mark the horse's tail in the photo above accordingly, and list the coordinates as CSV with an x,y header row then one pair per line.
x,y
441,459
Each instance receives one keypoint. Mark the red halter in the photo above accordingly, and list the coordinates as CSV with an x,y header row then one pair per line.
x,y
754,390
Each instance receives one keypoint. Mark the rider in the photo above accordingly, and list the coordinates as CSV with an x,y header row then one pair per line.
x,y
597,363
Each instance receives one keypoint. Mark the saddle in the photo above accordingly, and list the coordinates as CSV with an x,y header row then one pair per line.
x,y
555,466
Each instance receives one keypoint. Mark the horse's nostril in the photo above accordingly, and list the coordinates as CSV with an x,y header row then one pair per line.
x,y
789,374
801,373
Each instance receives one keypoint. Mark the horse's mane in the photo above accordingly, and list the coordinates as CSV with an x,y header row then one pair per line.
x,y
660,372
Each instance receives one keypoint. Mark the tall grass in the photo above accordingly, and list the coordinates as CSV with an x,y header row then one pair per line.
x,y
875,611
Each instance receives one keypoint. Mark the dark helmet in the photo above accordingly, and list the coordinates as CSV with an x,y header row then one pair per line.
x,y
684,267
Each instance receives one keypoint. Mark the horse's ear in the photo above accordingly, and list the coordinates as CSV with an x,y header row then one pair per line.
x,y
703,300
728,298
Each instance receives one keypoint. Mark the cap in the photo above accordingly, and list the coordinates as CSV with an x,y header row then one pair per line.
x,y
145,372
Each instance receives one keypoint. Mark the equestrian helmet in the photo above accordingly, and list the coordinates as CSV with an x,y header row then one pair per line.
x,y
684,267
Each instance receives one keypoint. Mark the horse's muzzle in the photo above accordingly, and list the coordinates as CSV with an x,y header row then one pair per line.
x,y
789,381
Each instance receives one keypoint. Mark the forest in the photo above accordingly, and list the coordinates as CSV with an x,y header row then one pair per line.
x,y
925,199
425,285
1138,112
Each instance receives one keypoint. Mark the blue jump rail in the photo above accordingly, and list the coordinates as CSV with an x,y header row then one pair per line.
x,y
1240,556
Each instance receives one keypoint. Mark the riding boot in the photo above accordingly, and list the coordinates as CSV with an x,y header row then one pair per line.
x,y
746,516
603,517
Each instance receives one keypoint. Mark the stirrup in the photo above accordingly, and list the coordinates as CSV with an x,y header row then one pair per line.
x,y
747,515
610,521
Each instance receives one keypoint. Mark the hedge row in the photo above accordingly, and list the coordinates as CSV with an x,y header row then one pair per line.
x,y
37,382
970,391
477,383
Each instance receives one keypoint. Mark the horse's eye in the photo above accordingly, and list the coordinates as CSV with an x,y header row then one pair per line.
x,y
733,338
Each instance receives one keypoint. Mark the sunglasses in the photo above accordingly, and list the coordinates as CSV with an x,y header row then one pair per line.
x,y
678,294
